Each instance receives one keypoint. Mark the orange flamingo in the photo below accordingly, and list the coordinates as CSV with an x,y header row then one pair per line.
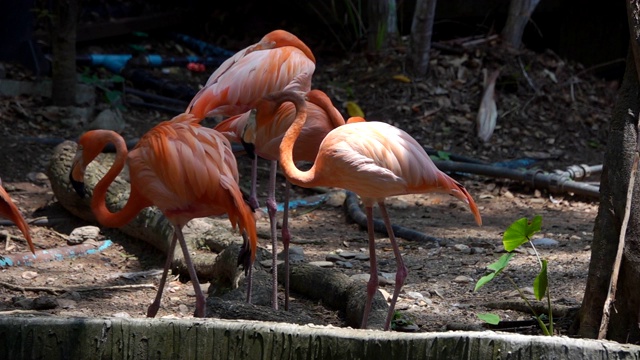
x,y
10,211
374,160
280,60
261,135
185,170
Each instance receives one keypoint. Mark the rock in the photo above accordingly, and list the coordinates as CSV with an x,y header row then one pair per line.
x,y
82,234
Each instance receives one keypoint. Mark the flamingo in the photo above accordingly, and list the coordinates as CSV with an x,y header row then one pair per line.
x,y
262,135
375,160
280,60
179,166
10,211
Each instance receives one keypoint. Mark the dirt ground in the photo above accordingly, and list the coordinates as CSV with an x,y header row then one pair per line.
x,y
550,110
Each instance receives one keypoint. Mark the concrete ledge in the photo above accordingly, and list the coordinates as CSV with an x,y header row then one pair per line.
x,y
115,338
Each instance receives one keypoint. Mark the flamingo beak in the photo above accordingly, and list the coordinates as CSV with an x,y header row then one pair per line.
x,y
76,175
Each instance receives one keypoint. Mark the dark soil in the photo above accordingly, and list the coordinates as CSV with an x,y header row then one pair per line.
x,y
550,110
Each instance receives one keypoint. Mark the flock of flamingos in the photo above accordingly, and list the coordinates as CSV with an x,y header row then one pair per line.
x,y
264,92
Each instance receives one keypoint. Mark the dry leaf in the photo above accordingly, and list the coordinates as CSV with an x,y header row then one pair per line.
x,y
488,112
402,78
354,110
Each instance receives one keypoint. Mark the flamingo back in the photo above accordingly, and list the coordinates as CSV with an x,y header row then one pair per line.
x,y
236,89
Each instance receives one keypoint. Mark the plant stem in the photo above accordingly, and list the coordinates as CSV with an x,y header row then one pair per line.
x,y
542,325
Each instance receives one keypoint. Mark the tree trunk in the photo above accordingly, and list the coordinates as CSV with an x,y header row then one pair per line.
x,y
421,32
519,14
381,24
622,142
64,53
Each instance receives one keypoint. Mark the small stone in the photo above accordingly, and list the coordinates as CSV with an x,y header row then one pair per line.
x,y
66,303
183,309
462,279
344,264
324,264
22,302
545,242
362,257
334,258
462,248
29,275
84,233
360,277
347,254
45,303
415,295
122,315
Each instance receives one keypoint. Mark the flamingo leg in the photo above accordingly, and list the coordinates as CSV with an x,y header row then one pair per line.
x,y
152,310
248,268
286,239
253,196
200,302
401,268
254,204
372,284
272,208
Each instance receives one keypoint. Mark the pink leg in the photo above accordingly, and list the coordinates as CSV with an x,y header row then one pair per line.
x,y
401,269
200,302
272,208
254,204
244,259
152,310
372,285
286,239
253,197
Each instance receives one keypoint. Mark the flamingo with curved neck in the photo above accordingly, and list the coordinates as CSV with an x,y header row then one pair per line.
x,y
261,136
374,160
184,169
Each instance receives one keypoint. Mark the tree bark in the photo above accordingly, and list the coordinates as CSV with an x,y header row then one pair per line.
x,y
63,69
621,149
519,14
421,33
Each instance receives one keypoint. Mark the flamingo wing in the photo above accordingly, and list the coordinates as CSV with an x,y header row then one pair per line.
x,y
257,73
185,168
362,151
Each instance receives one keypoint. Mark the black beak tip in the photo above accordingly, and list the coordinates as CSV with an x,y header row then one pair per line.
x,y
78,186
249,148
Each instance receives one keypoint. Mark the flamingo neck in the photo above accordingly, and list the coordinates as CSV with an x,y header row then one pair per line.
x,y
98,201
293,174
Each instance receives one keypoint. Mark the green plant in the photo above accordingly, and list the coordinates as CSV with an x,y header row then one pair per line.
x,y
113,97
519,233
343,19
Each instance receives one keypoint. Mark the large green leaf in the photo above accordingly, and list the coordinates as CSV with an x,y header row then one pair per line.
x,y
520,232
496,267
501,263
489,318
483,280
541,282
